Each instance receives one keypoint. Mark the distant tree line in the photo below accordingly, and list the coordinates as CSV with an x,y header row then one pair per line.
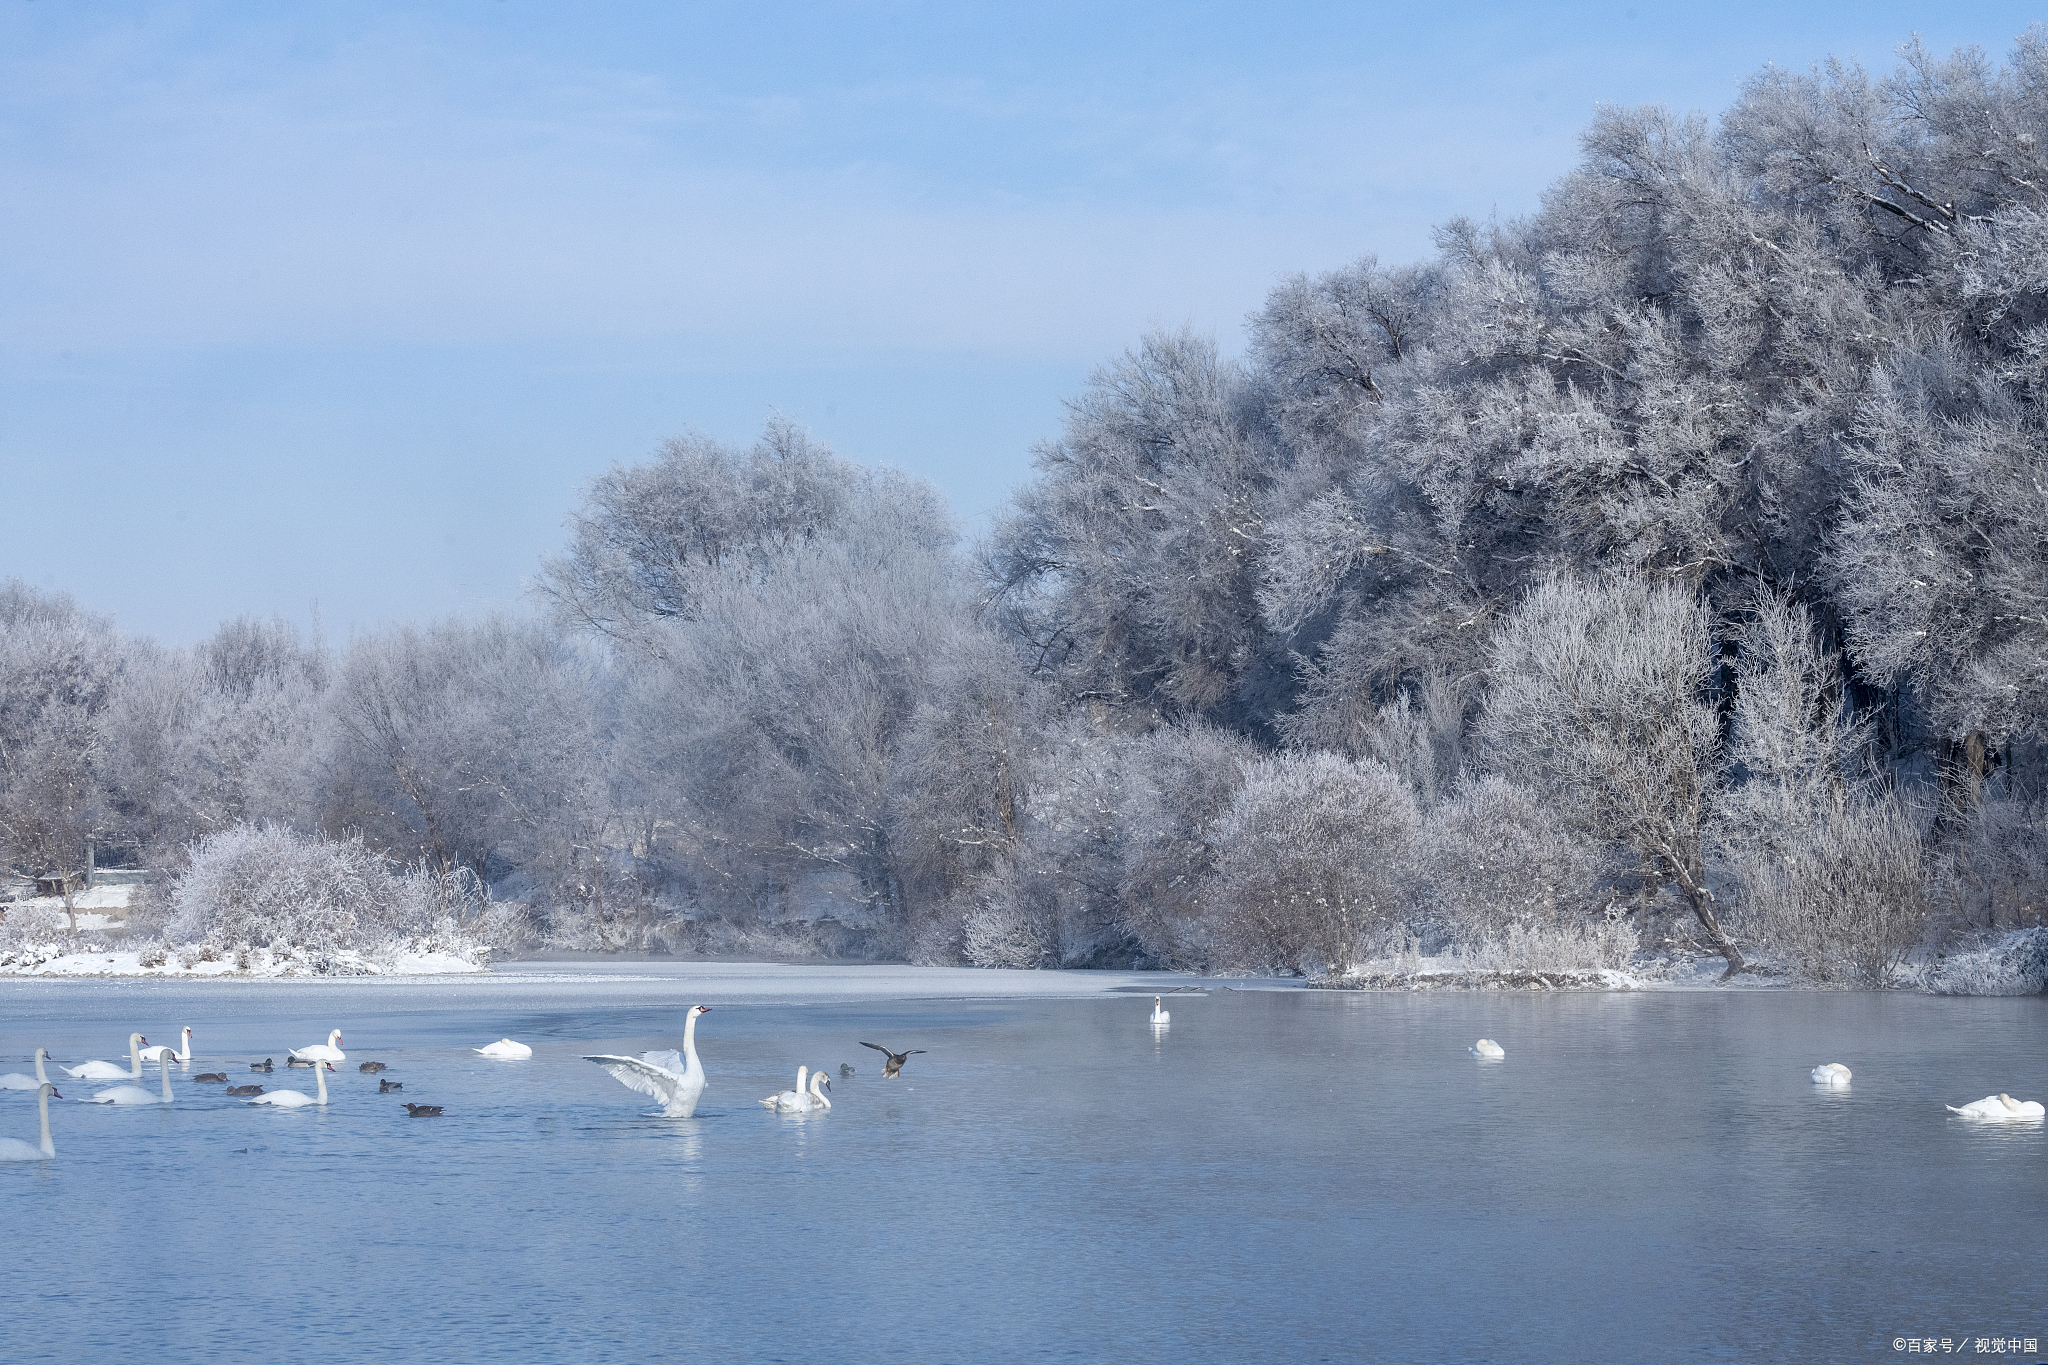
x,y
1669,567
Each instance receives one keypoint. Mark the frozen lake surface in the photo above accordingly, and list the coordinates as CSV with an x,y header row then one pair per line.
x,y
1281,1175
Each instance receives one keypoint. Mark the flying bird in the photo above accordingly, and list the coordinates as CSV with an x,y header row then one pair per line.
x,y
894,1066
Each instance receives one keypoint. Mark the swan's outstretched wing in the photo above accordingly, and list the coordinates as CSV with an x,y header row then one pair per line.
x,y
637,1074
667,1061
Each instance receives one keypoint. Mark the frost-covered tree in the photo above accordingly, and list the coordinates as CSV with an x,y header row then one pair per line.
x,y
1179,781
58,668
1599,699
200,740
1129,567
472,746
778,648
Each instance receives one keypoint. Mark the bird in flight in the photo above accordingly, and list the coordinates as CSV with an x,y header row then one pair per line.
x,y
894,1066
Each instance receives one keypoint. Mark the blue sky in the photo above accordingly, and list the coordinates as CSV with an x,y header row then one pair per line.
x,y
336,307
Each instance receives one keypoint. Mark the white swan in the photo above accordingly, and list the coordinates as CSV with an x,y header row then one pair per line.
x,y
329,1051
797,1101
819,1078
14,1080
507,1049
675,1080
107,1071
1831,1073
1159,1015
1999,1106
135,1094
14,1149
1489,1049
298,1099
181,1053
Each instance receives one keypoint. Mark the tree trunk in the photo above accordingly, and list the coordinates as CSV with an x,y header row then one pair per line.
x,y
1962,767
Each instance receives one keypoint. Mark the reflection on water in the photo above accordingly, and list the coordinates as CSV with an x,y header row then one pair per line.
x,y
1275,1176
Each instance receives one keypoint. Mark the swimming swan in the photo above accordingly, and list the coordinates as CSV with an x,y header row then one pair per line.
x,y
506,1049
298,1099
1831,1073
107,1071
676,1081
14,1149
1489,1049
181,1053
1999,1106
14,1080
797,1101
135,1094
329,1051
1160,1015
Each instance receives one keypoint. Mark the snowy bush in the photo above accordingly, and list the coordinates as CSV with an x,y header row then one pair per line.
x,y
1179,780
1840,895
269,886
1496,859
1312,855
2011,964
1008,921
1602,941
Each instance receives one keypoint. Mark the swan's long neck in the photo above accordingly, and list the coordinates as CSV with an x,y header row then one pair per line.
x,y
801,1073
42,1077
691,1066
320,1079
185,1046
134,1056
43,1107
167,1077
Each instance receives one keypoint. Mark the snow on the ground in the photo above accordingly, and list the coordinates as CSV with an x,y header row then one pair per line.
x,y
2012,963
99,908
64,959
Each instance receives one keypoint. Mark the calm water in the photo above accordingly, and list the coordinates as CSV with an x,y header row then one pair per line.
x,y
1280,1175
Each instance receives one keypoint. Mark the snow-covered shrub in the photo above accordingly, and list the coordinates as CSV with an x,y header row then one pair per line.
x,y
2011,964
1497,860
1178,780
1997,865
1312,856
269,886
1590,944
1007,921
1841,895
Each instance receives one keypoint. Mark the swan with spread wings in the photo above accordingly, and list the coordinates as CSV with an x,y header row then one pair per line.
x,y
674,1079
